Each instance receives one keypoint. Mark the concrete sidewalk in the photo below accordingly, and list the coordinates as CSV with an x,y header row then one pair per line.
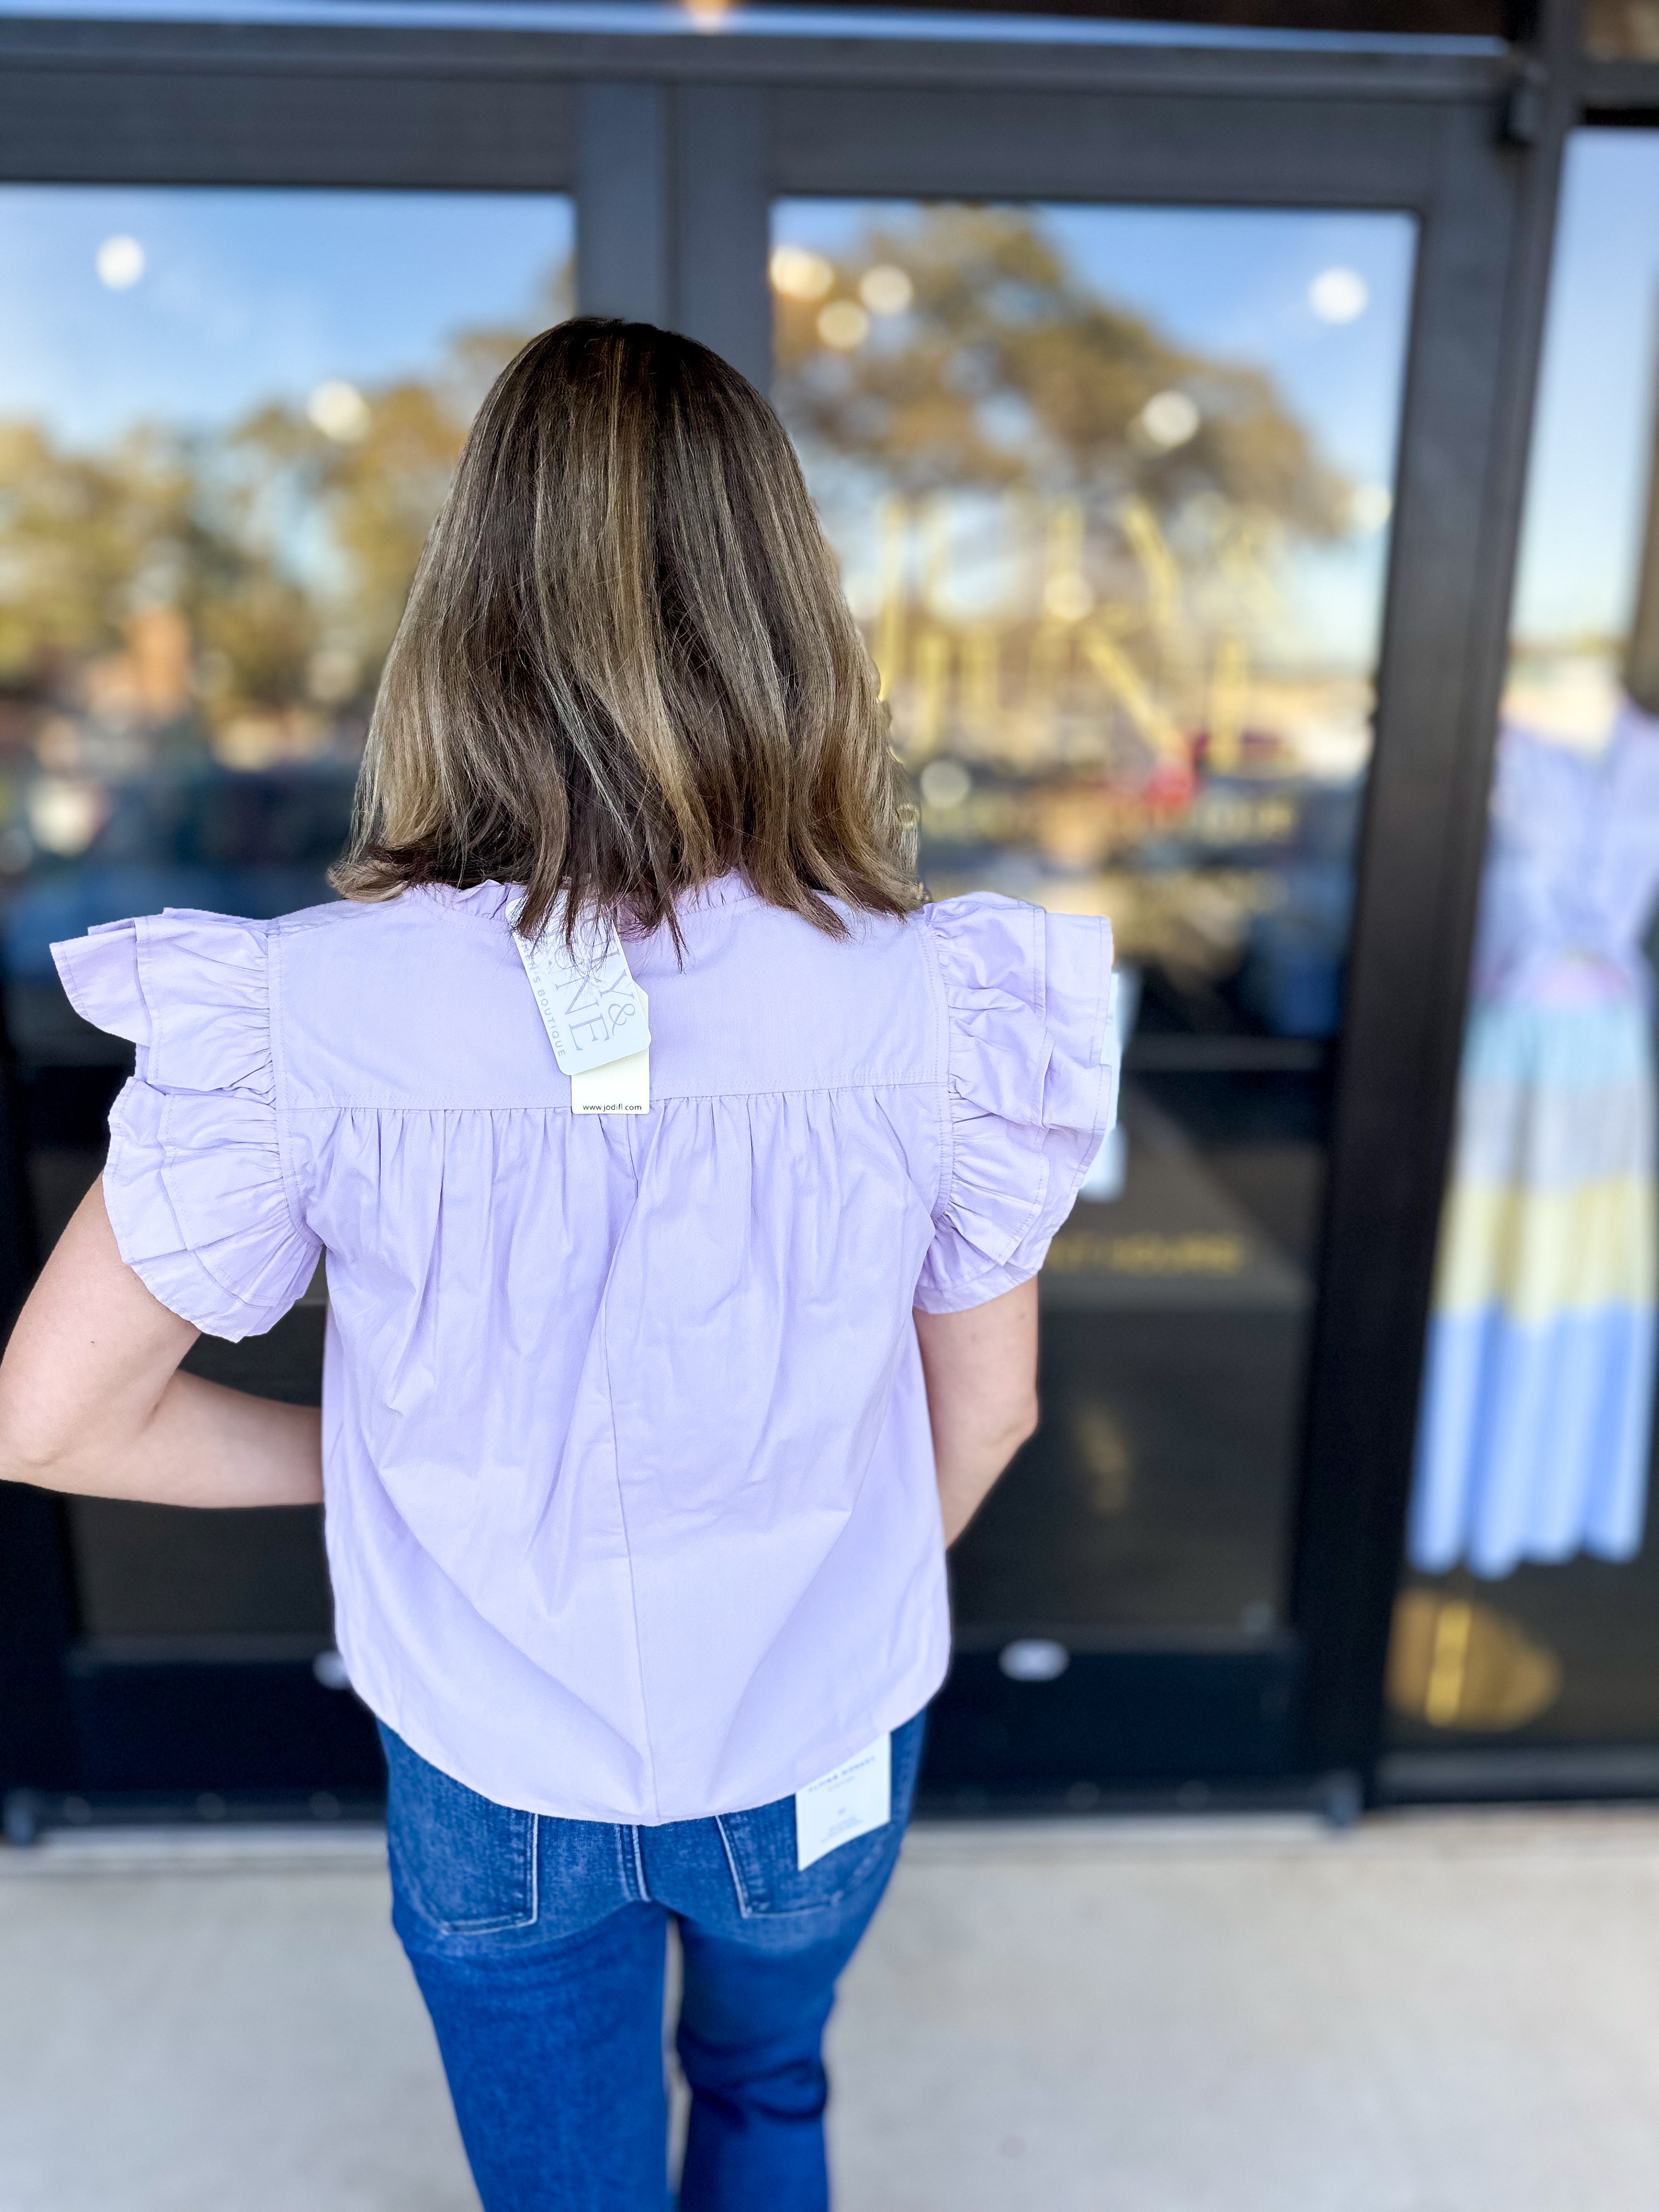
x,y
1447,2014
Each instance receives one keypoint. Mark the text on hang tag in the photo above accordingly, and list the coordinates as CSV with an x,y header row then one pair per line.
x,y
849,1801
593,1011
621,1086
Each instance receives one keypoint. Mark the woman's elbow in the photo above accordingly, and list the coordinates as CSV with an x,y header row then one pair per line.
x,y
39,1443
1019,1423
39,1464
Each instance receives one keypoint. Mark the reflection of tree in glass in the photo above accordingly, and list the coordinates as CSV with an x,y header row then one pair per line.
x,y
80,536
1064,529
1007,368
279,555
1064,533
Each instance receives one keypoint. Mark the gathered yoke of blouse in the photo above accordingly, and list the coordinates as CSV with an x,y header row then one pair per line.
x,y
628,1479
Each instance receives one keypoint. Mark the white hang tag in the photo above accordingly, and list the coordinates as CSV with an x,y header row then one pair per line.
x,y
593,1011
623,1087
847,1802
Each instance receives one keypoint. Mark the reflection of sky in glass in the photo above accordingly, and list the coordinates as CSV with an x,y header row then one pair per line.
x,y
1589,478
250,296
1239,284
225,420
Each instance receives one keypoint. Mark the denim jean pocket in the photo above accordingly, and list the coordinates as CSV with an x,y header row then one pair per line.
x,y
760,1848
463,1864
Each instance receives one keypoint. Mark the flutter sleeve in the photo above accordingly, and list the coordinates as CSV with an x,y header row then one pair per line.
x,y
1032,1089
194,1184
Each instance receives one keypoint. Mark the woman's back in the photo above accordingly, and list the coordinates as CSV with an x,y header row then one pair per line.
x,y
631,1512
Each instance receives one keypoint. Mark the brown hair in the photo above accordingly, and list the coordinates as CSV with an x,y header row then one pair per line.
x,y
626,665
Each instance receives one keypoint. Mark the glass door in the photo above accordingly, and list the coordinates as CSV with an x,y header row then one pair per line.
x,y
1111,488
226,417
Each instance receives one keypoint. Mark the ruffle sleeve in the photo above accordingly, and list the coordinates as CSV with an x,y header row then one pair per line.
x,y
1033,1071
194,1184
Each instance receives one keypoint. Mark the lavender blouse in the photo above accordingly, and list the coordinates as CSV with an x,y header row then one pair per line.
x,y
630,1504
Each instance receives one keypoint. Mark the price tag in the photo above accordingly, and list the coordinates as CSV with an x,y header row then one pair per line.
x,y
594,1013
847,1802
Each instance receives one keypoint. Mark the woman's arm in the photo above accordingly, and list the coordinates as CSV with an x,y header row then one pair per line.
x,y
980,1370
91,1400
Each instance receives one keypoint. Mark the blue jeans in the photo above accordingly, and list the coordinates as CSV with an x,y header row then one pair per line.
x,y
539,1945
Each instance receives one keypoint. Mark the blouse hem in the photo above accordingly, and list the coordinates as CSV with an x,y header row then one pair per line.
x,y
903,1703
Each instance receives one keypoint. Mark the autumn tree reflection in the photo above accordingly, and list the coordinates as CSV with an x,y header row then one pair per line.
x,y
232,592
1067,535
991,364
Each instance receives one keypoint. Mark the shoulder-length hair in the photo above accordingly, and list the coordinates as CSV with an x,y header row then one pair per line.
x,y
626,667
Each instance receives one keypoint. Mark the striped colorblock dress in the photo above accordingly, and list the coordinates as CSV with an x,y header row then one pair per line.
x,y
1537,1411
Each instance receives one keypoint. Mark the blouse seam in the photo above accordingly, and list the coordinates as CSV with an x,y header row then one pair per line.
x,y
1039,958
329,916
947,1152
1100,1016
471,914
150,1054
244,1305
553,1106
1040,963
1109,1055
285,1169
994,1270
628,1543
1103,996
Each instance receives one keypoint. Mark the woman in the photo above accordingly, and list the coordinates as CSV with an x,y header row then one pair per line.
x,y
637,1105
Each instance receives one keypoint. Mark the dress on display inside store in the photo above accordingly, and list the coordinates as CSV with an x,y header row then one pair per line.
x,y
1536,1424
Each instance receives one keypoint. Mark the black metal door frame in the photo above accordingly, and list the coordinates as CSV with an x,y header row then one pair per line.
x,y
674,146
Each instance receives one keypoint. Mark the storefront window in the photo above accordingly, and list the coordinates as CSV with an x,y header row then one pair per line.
x,y
1110,487
227,418
1531,1606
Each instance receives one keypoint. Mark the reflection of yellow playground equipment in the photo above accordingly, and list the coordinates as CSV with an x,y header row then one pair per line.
x,y
1157,565
1459,1663
1146,658
1230,691
1123,683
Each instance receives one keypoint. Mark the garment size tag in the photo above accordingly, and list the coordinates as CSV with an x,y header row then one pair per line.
x,y
855,1798
594,1012
623,1087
